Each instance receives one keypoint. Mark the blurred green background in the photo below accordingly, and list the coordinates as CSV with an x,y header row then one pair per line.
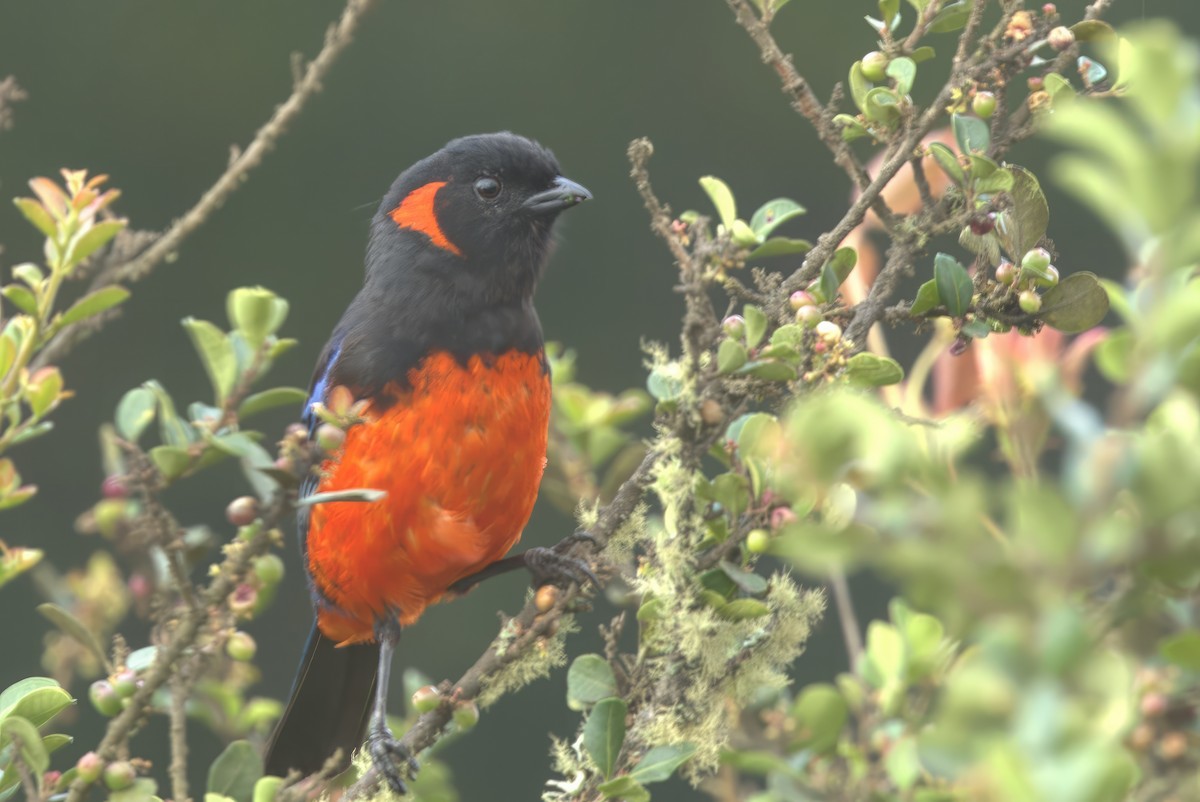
x,y
154,94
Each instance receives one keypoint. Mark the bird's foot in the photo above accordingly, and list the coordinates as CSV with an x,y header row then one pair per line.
x,y
554,566
391,758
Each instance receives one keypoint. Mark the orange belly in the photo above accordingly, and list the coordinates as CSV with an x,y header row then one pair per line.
x,y
461,456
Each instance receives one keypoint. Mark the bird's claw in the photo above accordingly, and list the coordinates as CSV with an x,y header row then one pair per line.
x,y
387,755
578,536
550,566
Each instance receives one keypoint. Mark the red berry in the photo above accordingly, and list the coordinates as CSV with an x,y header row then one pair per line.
x,y
114,487
242,511
983,225
781,517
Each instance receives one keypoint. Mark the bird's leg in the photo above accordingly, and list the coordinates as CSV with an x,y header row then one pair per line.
x,y
385,750
547,566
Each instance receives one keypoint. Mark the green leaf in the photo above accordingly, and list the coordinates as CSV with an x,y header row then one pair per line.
x,y
927,299
41,705
92,240
141,659
135,412
256,312
142,790
1023,227
971,133
742,235
36,213
999,181
1182,649
1075,304
773,214
721,197
951,18
923,53
821,713
731,355
266,788
624,787
171,461
732,492
21,297
903,71
871,370
74,628
589,679
662,386
903,764
270,399
780,246
14,693
836,270
953,284
1056,85
852,127
976,329
216,354
660,762
173,430
604,733
768,370
883,106
743,610
756,325
33,751
30,273
746,581
888,9
948,162
94,304
1093,31
919,5
235,771
859,86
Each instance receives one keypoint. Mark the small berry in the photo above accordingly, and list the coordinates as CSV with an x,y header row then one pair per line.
x,y
426,698
120,775
1030,302
139,587
829,331
90,767
466,715
874,66
1142,738
781,517
1061,38
1035,83
269,569
711,412
109,514
1049,277
809,316
50,779
329,437
1036,260
758,541
284,464
545,598
114,487
1006,272
241,647
734,326
1049,9
800,298
983,225
296,431
125,683
104,698
984,104
242,510
1173,746
1154,704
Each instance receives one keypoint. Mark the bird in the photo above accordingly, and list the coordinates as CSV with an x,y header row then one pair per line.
x,y
443,351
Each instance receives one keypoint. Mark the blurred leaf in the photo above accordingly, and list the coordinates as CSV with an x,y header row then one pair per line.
x,y
852,127
216,354
743,610
625,787
882,105
135,412
94,304
660,762
731,355
746,581
768,370
927,299
235,771
871,370
732,492
589,679
923,53
971,133
36,213
953,284
604,733
39,706
948,162
1093,30
721,197
142,790
21,297
780,246
773,214
1182,649
1092,71
266,788
951,18
820,714
999,181
904,71
1075,304
742,235
75,629
1023,227
662,386
33,751
171,461
756,325
16,561
836,270
141,659
888,9
859,86
92,240
256,313
902,763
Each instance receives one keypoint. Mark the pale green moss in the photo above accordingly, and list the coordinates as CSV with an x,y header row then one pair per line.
x,y
535,663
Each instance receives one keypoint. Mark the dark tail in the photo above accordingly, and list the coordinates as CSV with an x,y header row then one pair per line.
x,y
328,709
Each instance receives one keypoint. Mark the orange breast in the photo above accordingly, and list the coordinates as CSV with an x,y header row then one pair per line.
x,y
461,456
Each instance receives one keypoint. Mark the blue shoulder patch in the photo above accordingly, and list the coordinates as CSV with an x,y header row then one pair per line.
x,y
318,392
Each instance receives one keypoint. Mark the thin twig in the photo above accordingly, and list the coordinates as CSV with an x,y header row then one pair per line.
x,y
337,38
179,749
851,633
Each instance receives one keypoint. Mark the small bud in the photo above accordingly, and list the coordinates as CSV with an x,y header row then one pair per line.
x,y
1061,38
758,541
90,767
109,514
329,437
269,569
983,225
125,683
829,331
50,779
119,775
984,104
1153,704
1035,260
874,66
809,316
959,346
545,598
241,647
1173,746
1035,83
426,698
1039,101
711,412
104,698
1142,738
1049,9
781,517
1030,302
801,298
734,326
114,487
1006,272
296,431
466,715
242,510
139,587
284,464
244,600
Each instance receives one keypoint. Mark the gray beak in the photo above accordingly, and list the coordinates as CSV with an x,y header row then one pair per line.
x,y
564,194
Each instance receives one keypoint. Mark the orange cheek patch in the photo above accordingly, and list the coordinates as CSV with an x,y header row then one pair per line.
x,y
416,213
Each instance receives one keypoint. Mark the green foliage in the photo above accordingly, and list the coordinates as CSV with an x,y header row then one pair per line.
x,y
26,706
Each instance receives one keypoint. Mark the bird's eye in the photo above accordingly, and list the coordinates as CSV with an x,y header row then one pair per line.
x,y
487,187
